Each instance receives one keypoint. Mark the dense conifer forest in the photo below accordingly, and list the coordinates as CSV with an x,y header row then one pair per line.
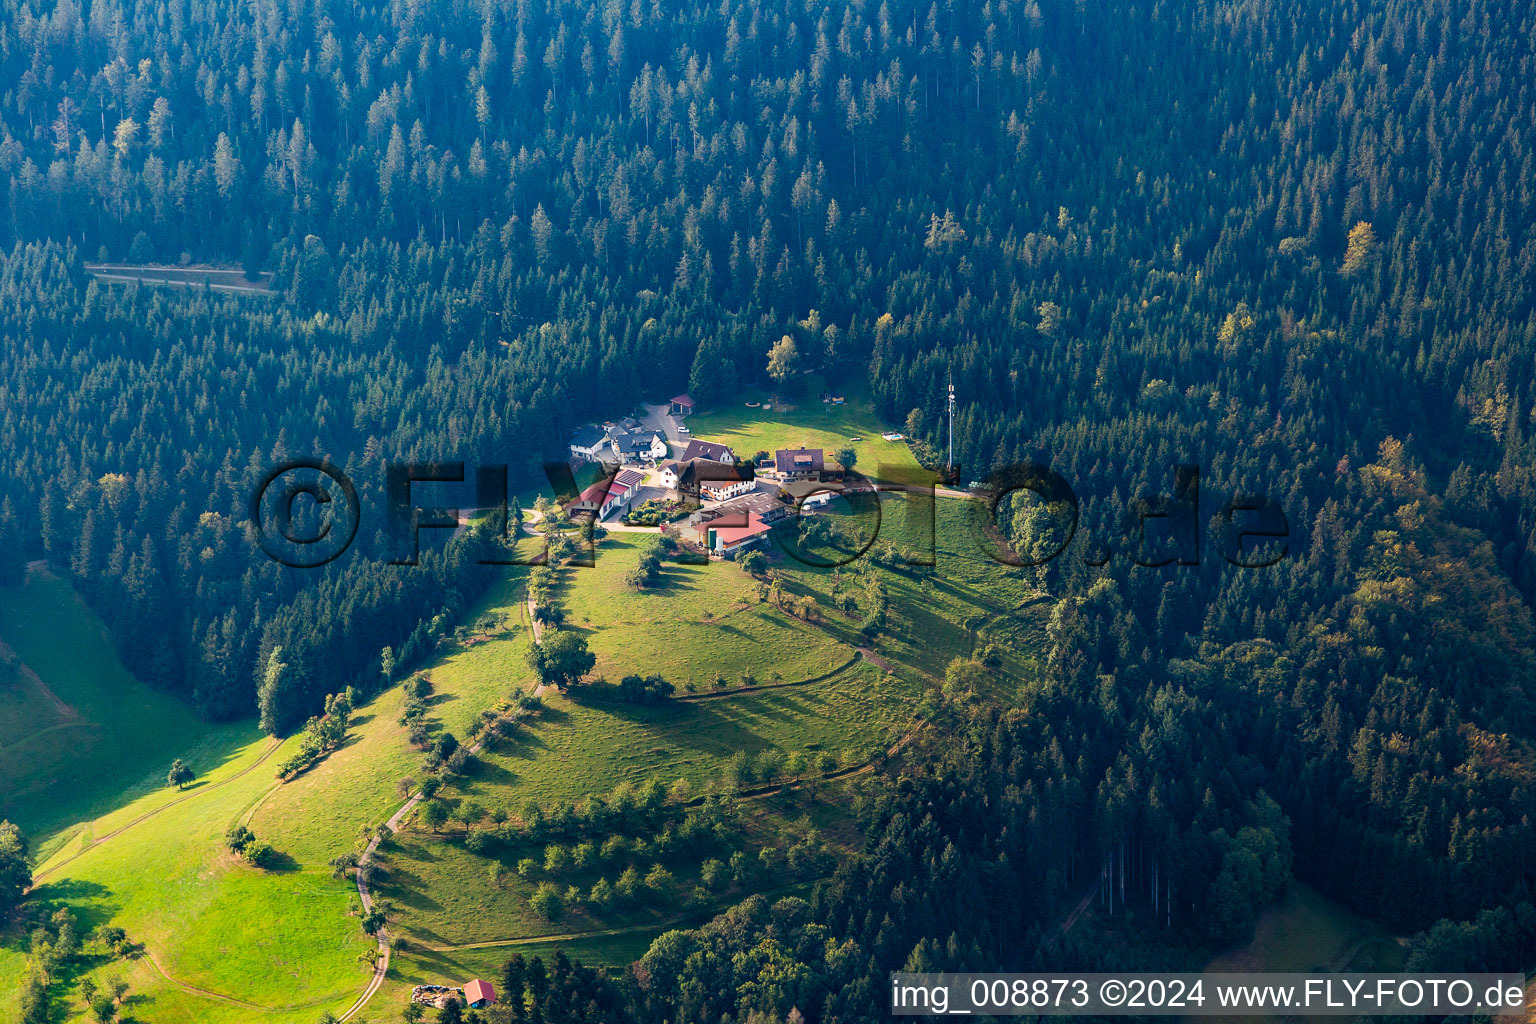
x,y
1292,244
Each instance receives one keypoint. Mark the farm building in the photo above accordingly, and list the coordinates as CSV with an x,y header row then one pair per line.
x,y
682,405
681,478
605,496
688,478
810,493
724,490
728,541
727,528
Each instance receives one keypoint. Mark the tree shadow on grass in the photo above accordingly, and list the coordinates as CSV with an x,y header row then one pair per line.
x,y
491,774
726,627
408,889
279,863
551,715
524,745
90,902
431,965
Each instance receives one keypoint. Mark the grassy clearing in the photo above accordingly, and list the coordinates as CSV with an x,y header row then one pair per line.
x,y
606,947
698,622
280,939
965,602
446,896
113,740
575,750
809,424
421,967
580,748
1309,932
283,939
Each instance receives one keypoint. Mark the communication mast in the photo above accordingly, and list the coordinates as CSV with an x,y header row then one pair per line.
x,y
951,424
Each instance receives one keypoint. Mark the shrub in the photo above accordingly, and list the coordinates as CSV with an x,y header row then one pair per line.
x,y
259,854
652,689
547,902
237,837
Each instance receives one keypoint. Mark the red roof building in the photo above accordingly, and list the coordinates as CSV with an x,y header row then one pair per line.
x,y
479,993
602,497
682,405
727,540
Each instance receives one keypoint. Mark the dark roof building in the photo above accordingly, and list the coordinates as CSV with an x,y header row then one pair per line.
x,y
711,450
768,505
588,438
644,445
799,463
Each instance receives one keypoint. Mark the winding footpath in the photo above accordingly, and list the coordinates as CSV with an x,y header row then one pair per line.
x,y
194,990
38,878
365,861
200,791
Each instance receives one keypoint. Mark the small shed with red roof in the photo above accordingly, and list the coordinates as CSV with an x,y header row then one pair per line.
x,y
682,405
479,993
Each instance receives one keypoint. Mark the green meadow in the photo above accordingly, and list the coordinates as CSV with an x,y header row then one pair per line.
x,y
78,734
963,603
1306,932
698,622
221,941
825,700
319,813
805,421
